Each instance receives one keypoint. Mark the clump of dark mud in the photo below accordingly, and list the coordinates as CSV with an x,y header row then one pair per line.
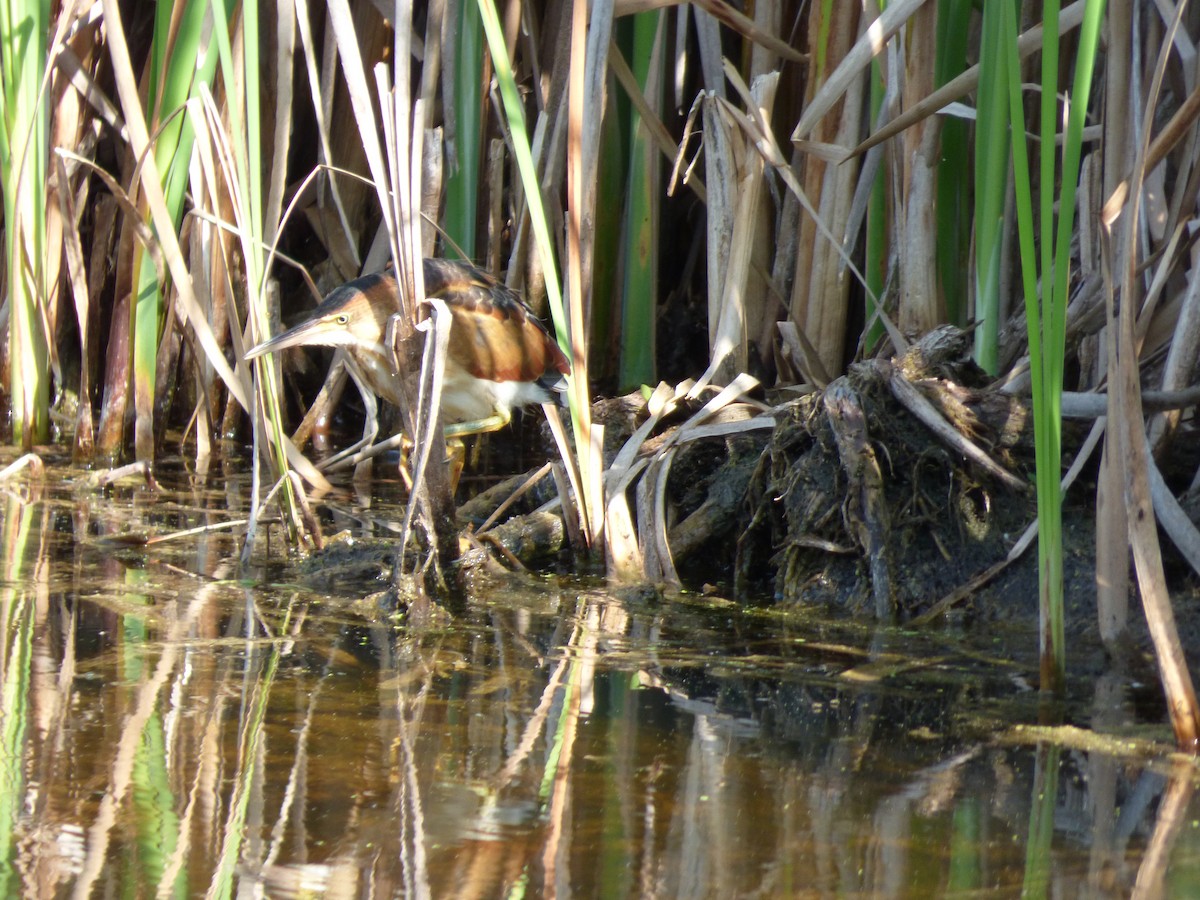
x,y
864,502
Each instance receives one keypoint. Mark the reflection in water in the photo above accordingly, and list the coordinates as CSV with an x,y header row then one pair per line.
x,y
171,731
1170,820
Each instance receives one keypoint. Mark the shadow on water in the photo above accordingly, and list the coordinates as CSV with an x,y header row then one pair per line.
x,y
171,731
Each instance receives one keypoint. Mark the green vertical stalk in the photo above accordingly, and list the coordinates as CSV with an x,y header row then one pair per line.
x,y
515,112
639,292
154,804
24,148
18,531
1054,320
1049,503
614,876
16,617
610,238
954,170
991,179
822,44
1046,319
966,854
251,738
244,93
462,186
1085,64
1047,393
180,66
1041,824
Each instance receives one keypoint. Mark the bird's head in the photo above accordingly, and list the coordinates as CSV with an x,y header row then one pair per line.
x,y
353,316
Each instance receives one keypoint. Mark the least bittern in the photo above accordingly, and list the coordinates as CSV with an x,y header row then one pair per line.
x,y
500,355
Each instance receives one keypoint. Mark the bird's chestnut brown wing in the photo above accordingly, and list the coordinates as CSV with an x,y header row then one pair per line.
x,y
493,334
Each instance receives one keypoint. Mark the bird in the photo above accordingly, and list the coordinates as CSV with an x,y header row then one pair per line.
x,y
500,355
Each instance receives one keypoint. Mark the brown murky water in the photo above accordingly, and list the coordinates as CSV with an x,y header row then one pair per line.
x,y
173,729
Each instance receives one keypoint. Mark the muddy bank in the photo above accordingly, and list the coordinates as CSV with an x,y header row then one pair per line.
x,y
898,492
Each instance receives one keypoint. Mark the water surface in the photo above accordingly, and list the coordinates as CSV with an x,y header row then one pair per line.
x,y
175,727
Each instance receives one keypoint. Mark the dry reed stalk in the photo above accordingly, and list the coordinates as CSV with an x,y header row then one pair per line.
x,y
1112,526
821,283
1125,414
920,309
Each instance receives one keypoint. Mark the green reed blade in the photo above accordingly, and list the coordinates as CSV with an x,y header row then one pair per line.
x,y
245,132
1045,317
20,527
463,186
181,65
991,181
155,808
966,864
954,167
24,148
17,622
1048,495
639,295
514,110
1040,839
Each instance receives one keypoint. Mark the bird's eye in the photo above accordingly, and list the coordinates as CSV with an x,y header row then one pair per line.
x,y
343,319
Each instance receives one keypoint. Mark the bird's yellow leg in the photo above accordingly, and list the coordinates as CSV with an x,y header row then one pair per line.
x,y
406,446
456,453
456,457
494,422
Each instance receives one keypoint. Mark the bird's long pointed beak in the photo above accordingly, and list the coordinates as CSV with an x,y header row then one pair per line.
x,y
304,334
